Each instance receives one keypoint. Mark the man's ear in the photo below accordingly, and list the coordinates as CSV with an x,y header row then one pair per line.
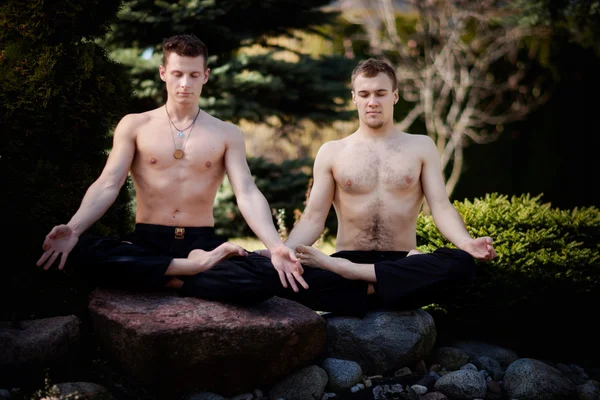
x,y
396,96
206,74
162,70
353,97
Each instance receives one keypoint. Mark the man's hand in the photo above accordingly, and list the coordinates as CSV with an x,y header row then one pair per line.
x,y
480,248
59,242
288,267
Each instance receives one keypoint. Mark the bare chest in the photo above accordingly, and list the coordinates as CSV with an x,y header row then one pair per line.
x,y
203,151
366,169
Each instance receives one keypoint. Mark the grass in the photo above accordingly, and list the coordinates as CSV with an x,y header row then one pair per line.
x,y
251,244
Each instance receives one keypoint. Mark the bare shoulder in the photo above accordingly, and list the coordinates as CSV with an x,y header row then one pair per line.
x,y
328,150
226,130
419,140
422,144
130,124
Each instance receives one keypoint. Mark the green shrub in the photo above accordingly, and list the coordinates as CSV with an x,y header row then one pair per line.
x,y
60,96
543,282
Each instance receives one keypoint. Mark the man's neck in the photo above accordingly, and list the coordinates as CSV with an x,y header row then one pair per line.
x,y
384,132
182,111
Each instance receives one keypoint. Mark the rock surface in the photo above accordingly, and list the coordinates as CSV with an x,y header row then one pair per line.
x,y
181,344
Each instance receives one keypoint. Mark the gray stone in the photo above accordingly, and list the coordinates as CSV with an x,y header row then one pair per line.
x,y
528,378
428,381
588,391
420,390
434,396
83,391
343,374
470,367
307,383
381,341
204,396
450,358
490,365
39,342
474,348
462,384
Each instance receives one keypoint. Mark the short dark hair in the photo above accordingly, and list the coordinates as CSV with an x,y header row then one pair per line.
x,y
186,45
371,67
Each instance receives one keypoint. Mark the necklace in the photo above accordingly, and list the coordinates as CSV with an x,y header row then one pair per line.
x,y
178,153
180,131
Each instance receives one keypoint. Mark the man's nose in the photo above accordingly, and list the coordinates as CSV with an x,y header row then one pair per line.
x,y
184,81
372,101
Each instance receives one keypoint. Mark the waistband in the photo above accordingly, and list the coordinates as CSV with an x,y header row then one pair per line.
x,y
370,256
191,230
375,253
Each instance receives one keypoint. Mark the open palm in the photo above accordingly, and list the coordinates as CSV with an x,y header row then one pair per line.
x,y
58,243
481,248
288,267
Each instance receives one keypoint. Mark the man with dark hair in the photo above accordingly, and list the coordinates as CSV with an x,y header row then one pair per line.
x,y
177,156
377,179
184,45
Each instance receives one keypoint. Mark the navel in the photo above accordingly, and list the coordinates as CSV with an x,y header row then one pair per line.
x,y
208,164
175,213
153,161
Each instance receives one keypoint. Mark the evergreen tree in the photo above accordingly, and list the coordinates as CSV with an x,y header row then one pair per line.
x,y
254,87
60,95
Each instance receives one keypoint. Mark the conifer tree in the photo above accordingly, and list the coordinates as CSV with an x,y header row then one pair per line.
x,y
255,87
60,96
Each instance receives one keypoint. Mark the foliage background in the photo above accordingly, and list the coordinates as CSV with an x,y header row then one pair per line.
x,y
70,70
60,94
540,288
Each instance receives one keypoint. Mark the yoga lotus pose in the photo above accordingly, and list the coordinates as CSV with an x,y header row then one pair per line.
x,y
177,156
377,179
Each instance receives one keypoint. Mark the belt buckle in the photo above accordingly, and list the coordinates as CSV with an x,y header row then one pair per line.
x,y
179,233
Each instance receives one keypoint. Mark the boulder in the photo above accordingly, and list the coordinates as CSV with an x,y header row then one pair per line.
x,y
382,340
38,344
182,344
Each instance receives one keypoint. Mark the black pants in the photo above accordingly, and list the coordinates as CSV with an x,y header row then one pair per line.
x,y
405,283
141,259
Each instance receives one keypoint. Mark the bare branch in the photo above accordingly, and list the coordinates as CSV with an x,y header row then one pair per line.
x,y
446,65
410,118
457,166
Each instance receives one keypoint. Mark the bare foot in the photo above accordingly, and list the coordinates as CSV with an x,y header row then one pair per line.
x,y
314,258
174,283
414,252
208,259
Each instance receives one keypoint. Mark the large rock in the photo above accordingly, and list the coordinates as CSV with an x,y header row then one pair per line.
x,y
527,378
382,340
39,343
182,344
81,391
475,349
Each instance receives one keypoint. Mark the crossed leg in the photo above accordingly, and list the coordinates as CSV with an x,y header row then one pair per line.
x,y
313,257
199,261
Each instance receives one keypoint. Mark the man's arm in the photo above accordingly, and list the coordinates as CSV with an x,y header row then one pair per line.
x,y
256,211
445,216
312,222
98,198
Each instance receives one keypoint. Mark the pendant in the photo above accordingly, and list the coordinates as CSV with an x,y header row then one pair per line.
x,y
180,134
178,154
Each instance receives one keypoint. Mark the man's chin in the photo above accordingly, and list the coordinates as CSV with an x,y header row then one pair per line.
x,y
374,124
